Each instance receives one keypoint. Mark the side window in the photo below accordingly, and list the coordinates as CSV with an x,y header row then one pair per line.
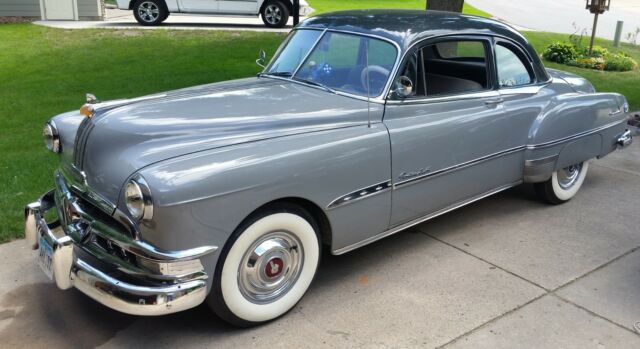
x,y
512,70
448,68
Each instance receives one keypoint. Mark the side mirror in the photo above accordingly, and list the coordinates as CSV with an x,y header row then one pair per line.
x,y
403,87
261,57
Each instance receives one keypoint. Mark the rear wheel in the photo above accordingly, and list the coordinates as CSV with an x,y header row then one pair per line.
x,y
275,14
266,266
563,184
150,12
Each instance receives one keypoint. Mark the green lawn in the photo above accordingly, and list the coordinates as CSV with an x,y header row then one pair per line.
x,y
322,6
627,83
46,71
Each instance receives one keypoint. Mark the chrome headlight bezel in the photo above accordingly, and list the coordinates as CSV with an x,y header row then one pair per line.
x,y
51,137
137,198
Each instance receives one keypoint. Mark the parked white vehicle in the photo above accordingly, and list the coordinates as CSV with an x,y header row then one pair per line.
x,y
274,13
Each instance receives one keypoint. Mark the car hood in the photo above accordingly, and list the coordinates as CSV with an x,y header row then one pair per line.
x,y
125,136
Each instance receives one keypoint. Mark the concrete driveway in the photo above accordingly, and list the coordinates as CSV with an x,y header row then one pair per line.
x,y
505,272
559,15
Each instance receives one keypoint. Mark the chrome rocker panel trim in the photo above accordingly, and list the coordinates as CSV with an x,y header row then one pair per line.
x,y
71,271
422,219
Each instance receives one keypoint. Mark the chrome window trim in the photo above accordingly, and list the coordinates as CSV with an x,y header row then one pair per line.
x,y
539,84
380,99
523,90
446,98
422,219
458,167
575,136
360,194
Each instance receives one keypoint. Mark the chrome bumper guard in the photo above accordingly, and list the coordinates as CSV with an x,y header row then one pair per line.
x,y
69,270
625,139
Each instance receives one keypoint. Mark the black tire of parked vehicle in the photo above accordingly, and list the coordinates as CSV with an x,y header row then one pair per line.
x,y
563,184
150,12
275,14
227,298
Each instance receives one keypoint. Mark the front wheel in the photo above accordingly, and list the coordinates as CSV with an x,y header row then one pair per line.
x,y
275,14
563,184
150,12
266,267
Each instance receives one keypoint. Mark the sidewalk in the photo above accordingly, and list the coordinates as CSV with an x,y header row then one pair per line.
x,y
123,19
559,15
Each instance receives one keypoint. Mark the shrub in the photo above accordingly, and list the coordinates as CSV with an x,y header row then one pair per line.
x,y
597,63
597,51
620,62
600,58
560,53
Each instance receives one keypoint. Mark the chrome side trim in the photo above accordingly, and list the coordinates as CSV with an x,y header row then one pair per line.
x,y
360,194
458,166
575,136
447,98
423,219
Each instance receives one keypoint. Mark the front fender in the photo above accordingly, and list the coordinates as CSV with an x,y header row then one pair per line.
x,y
200,199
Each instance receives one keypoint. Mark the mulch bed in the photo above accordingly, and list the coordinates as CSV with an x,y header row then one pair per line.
x,y
16,19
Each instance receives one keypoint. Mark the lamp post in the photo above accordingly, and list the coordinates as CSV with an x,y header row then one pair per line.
x,y
597,7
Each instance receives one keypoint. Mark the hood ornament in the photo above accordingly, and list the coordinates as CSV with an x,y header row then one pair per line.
x,y
91,99
88,109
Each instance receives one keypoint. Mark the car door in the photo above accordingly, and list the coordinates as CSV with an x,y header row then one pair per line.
x,y
451,140
202,6
238,6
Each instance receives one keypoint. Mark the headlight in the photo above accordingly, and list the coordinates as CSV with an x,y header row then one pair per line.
x,y
51,137
138,198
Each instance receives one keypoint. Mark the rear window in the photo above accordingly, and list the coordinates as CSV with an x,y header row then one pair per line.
x,y
460,49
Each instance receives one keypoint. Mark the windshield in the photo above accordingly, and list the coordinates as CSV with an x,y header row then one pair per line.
x,y
349,63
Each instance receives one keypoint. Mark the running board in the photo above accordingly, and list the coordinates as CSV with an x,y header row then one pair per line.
x,y
422,219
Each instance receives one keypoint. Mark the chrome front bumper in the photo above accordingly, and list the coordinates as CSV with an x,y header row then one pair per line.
x,y
70,270
625,139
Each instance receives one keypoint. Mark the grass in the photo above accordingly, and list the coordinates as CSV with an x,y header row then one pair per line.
x,y
626,83
48,71
322,6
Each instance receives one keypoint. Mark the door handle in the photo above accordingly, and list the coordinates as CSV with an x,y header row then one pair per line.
x,y
494,102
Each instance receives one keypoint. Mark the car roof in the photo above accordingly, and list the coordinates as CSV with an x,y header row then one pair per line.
x,y
407,27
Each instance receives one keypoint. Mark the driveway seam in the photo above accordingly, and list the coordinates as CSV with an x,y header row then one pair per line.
x,y
481,326
568,283
546,290
616,169
593,313
486,261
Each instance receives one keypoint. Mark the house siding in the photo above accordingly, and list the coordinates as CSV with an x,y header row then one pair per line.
x,y
88,8
22,8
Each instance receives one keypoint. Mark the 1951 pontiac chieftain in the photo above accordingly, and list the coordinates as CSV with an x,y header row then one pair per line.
x,y
364,123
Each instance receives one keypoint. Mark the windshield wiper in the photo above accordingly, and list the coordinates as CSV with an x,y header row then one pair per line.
x,y
315,83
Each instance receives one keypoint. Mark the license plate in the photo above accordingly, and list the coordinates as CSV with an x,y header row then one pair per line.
x,y
45,257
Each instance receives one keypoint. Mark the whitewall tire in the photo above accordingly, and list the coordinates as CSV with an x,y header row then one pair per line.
x,y
266,267
564,183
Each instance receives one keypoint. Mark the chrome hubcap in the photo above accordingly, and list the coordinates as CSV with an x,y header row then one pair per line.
x,y
568,176
272,14
148,11
270,267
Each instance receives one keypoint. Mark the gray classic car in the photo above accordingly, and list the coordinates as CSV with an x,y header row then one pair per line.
x,y
364,123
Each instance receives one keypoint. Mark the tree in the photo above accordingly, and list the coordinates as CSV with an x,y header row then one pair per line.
x,y
445,5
